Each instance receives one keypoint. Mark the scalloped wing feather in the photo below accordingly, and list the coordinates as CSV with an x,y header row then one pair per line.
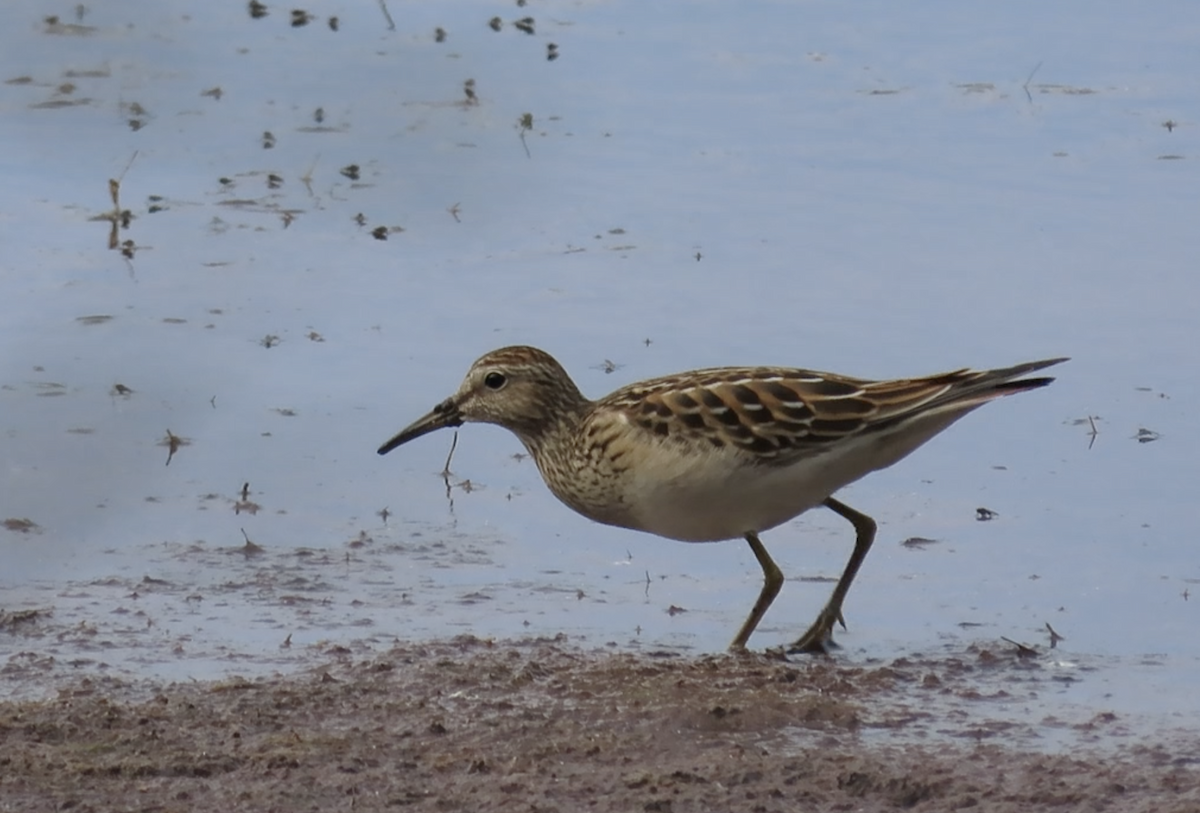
x,y
776,415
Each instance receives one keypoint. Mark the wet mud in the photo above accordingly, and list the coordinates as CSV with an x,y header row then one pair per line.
x,y
541,725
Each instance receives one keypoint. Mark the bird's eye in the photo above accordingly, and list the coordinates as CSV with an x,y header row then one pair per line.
x,y
494,381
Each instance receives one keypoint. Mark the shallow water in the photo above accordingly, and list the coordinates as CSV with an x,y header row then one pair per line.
x,y
819,186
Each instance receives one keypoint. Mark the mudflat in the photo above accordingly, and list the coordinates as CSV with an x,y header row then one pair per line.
x,y
541,725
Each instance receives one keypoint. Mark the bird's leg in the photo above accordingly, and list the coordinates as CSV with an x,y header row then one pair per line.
x,y
772,581
819,636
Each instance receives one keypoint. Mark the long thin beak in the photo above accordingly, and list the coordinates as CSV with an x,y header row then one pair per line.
x,y
444,414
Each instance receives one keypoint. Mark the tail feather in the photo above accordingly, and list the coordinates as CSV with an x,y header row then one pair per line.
x,y
1027,367
991,384
944,398
962,392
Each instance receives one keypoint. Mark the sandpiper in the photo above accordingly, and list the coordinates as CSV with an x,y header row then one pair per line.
x,y
719,453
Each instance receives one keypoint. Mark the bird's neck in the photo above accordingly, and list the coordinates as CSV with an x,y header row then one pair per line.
x,y
556,434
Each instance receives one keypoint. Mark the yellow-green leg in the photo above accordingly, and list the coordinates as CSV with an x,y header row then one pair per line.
x,y
772,581
819,636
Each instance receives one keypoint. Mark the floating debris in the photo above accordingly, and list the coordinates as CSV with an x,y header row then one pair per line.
x,y
173,443
21,526
1146,435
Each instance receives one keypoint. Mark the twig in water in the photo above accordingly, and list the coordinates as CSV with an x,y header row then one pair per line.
x,y
383,7
446,473
525,124
1029,79
446,469
1022,650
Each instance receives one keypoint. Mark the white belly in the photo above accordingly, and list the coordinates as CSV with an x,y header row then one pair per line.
x,y
707,503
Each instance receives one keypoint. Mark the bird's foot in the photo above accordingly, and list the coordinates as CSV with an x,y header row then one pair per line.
x,y
818,639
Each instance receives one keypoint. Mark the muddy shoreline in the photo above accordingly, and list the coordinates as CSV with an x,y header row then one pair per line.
x,y
541,725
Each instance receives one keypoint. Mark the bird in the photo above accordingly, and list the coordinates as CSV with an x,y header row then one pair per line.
x,y
719,453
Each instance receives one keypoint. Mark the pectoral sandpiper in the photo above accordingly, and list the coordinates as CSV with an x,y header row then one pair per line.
x,y
720,453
